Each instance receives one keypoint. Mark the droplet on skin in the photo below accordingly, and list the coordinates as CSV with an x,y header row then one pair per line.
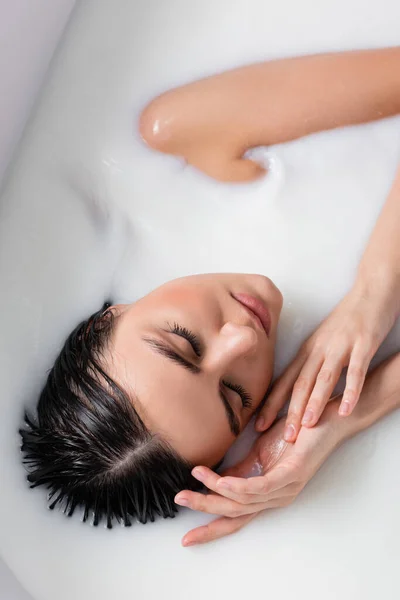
x,y
256,471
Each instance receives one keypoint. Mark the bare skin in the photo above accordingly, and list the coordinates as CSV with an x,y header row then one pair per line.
x,y
286,468
211,123
220,352
348,337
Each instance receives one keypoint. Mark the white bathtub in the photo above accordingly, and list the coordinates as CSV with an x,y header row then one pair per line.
x,y
29,33
82,145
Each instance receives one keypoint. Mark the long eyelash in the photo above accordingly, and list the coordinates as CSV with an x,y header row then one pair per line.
x,y
197,348
245,397
188,335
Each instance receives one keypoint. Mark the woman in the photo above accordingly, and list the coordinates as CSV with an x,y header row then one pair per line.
x,y
141,393
211,124
350,335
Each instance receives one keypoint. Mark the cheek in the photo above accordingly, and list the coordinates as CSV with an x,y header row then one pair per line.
x,y
205,444
210,449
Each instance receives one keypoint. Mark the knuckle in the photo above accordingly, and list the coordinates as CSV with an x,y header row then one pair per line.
x,y
316,407
297,487
199,504
249,488
265,488
317,345
235,512
350,396
325,375
301,384
317,403
293,415
245,499
356,371
248,499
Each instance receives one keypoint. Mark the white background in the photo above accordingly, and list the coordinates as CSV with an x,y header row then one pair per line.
x,y
29,33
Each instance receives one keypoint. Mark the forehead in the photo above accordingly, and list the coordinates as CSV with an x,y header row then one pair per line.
x,y
182,407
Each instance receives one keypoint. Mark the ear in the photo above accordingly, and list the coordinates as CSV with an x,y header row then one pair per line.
x,y
116,309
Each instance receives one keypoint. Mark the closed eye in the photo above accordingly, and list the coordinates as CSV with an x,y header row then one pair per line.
x,y
244,396
165,350
197,348
188,335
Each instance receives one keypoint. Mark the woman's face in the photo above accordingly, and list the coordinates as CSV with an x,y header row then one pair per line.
x,y
196,360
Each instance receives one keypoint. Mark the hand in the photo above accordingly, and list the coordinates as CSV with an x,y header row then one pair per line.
x,y
349,336
285,470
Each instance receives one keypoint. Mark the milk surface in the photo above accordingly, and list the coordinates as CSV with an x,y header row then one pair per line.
x,y
89,213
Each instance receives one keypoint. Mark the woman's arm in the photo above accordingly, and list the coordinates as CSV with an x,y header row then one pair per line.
x,y
287,468
380,396
349,336
380,264
212,122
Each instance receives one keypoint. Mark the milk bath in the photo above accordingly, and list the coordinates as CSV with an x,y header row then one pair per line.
x,y
89,213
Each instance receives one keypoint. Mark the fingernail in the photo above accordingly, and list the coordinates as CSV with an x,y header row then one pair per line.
x,y
344,409
260,423
181,500
308,417
224,485
198,474
186,544
289,432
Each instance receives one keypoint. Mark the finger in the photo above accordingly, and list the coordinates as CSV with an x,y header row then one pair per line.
x,y
356,373
208,477
327,378
215,504
280,393
215,530
211,481
232,487
222,485
255,499
254,502
301,393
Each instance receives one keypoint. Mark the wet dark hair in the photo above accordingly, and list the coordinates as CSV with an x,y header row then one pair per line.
x,y
90,447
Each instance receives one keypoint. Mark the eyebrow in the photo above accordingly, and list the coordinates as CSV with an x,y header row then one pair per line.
x,y
165,350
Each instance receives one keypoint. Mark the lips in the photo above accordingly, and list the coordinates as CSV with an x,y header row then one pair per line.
x,y
258,309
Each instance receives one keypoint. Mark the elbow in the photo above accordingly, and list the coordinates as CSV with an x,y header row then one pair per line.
x,y
154,125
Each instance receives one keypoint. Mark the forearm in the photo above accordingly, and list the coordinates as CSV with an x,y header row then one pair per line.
x,y
380,396
296,97
379,269
279,100
212,122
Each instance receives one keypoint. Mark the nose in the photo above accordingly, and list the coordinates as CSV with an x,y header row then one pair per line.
x,y
233,343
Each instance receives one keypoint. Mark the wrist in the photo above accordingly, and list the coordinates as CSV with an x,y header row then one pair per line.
x,y
378,286
379,397
376,276
339,429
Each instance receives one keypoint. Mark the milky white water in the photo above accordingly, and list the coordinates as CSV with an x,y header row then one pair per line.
x,y
89,212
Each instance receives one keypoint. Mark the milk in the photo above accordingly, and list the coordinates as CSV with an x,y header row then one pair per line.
x,y
90,213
